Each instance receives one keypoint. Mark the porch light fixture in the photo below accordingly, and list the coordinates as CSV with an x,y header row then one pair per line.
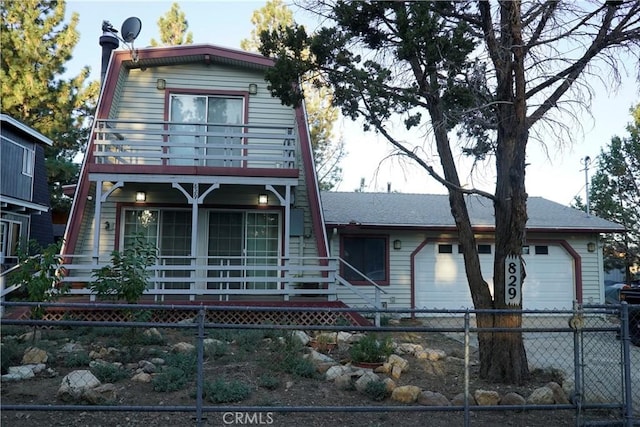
x,y
263,199
253,88
161,84
397,244
591,247
141,196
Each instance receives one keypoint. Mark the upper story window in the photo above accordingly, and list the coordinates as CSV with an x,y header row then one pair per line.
x,y
28,160
199,136
368,255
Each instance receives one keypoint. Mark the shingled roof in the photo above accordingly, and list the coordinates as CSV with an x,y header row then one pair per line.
x,y
400,210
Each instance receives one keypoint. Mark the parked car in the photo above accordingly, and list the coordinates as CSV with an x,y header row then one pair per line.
x,y
612,292
631,295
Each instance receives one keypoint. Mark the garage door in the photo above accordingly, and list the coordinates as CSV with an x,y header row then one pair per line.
x,y
441,282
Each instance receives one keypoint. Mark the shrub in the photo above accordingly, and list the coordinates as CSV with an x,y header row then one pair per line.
x,y
186,362
376,390
108,372
170,379
40,274
220,391
269,382
370,349
77,359
287,357
11,353
127,275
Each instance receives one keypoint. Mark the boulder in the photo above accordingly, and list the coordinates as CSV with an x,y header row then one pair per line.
x,y
105,393
430,398
512,398
336,371
541,396
16,373
559,395
301,336
486,397
75,383
395,360
34,355
152,333
141,377
362,382
344,382
458,400
183,347
406,393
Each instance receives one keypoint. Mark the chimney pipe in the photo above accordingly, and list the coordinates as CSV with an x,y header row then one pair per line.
x,y
109,43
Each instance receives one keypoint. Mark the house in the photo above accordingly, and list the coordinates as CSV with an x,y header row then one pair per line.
x,y
189,149
24,194
408,244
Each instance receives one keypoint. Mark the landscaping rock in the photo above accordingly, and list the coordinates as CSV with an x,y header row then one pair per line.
x,y
99,395
183,347
486,397
512,398
147,367
541,396
302,336
17,373
34,355
71,347
142,377
152,333
430,398
75,383
344,382
336,371
559,396
406,393
361,383
458,400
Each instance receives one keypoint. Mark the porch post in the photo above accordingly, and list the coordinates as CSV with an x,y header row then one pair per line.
x,y
194,234
97,221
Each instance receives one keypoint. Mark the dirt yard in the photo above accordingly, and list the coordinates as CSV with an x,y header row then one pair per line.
x,y
244,368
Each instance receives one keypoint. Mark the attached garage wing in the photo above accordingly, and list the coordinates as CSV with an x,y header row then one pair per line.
x,y
441,283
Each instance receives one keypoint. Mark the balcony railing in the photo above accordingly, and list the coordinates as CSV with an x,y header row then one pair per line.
x,y
164,143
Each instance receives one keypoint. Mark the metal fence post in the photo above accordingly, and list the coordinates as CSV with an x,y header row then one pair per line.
x,y
576,322
625,340
200,371
466,368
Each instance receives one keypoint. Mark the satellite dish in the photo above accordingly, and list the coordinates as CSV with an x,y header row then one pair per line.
x,y
131,29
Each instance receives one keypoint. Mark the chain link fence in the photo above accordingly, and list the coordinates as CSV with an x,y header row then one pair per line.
x,y
583,368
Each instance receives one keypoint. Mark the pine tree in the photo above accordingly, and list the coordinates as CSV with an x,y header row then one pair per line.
x,y
173,28
321,114
36,45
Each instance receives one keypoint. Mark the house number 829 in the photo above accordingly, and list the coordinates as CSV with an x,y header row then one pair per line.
x,y
512,280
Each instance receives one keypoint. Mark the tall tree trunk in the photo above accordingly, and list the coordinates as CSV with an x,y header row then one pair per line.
x,y
508,359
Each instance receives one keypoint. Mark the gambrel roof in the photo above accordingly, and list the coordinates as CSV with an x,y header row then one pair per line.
x,y
400,210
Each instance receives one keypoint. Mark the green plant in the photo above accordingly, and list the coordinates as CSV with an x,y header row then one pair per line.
x,y
187,362
287,357
11,352
221,391
170,379
40,274
77,359
376,390
369,349
127,275
108,372
268,381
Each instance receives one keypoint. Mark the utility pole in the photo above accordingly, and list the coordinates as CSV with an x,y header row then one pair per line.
x,y
587,162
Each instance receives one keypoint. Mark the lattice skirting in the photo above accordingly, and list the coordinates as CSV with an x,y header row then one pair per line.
x,y
238,317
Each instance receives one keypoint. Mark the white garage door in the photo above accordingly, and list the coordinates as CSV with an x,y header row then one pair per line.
x,y
441,282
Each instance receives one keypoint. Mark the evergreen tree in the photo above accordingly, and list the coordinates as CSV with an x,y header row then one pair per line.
x,y
36,45
615,195
490,74
173,28
321,114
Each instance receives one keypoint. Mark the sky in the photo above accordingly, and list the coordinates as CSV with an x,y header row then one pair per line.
x,y
555,173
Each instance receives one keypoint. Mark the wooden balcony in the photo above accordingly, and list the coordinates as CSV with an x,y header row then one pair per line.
x,y
132,146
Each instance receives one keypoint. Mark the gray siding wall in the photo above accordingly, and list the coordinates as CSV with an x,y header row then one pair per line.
x,y
13,182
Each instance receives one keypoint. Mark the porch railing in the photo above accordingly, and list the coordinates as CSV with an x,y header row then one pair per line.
x,y
221,277
165,143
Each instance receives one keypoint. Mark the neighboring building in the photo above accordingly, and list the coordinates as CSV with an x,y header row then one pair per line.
x,y
189,148
408,244
24,194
